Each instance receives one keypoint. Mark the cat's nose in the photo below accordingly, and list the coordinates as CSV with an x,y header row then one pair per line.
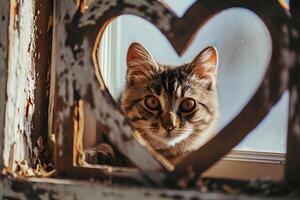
x,y
169,121
169,127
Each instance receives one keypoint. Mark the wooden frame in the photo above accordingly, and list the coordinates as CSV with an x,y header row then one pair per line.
x,y
27,104
66,104
4,21
42,61
293,145
76,77
35,188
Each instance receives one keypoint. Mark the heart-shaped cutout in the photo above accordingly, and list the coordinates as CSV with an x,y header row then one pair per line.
x,y
77,48
238,44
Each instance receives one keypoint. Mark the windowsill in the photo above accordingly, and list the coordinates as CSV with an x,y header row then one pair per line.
x,y
254,156
249,165
39,188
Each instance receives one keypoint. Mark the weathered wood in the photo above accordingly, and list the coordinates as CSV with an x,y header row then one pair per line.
x,y
273,84
20,98
24,69
75,79
42,57
76,65
293,139
4,21
4,44
25,189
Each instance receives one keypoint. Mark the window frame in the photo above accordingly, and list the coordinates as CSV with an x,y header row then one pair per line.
x,y
7,182
201,154
4,22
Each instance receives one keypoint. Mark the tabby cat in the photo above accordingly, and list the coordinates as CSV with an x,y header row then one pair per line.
x,y
174,108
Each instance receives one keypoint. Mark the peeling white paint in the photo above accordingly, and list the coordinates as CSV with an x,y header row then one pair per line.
x,y
21,80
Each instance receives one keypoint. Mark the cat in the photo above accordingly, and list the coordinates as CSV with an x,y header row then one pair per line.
x,y
174,108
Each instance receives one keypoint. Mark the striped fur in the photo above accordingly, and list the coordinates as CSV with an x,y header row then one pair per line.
x,y
171,86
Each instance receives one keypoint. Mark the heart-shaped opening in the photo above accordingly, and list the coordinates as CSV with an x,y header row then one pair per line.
x,y
244,49
79,84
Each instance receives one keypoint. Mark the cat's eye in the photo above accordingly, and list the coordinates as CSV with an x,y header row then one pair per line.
x,y
187,105
152,103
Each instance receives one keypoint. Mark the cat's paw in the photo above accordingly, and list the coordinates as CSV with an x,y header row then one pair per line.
x,y
102,154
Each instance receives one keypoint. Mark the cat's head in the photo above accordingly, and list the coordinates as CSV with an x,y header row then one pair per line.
x,y
169,105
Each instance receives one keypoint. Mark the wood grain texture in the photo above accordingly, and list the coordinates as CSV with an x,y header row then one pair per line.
x,y
293,139
76,79
273,84
42,57
4,21
24,70
20,98
71,189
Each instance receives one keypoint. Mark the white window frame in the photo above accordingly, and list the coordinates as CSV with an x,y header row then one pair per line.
x,y
109,49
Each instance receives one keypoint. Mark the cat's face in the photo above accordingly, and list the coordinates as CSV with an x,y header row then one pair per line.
x,y
170,105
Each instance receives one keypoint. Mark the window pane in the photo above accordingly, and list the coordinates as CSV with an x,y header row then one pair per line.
x,y
244,47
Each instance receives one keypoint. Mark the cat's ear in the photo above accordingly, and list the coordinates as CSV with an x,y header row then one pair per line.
x,y
140,64
205,64
204,67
